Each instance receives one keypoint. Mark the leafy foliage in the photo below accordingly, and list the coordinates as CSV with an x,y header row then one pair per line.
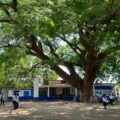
x,y
82,35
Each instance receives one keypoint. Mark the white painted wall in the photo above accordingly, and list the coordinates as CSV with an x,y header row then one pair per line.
x,y
36,87
21,93
10,93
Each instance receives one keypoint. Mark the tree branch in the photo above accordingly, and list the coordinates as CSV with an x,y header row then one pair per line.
x,y
74,48
67,77
9,45
4,4
83,42
111,16
52,50
13,5
72,71
11,21
6,11
38,50
32,53
35,66
104,55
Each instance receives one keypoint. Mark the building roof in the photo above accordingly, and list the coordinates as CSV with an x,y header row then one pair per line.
x,y
55,85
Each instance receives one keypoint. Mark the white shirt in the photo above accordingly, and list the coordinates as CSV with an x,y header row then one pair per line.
x,y
2,97
104,99
111,97
15,98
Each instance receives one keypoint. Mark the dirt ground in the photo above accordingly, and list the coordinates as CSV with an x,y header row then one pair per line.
x,y
59,111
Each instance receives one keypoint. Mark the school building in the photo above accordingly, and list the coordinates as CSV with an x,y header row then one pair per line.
x,y
54,91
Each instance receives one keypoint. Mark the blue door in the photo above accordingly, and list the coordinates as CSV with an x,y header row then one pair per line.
x,y
26,93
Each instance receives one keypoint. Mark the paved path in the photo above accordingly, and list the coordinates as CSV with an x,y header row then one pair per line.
x,y
59,111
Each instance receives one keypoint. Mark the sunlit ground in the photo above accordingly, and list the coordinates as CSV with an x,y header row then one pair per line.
x,y
59,111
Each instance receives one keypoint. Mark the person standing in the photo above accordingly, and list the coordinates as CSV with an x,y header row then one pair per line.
x,y
15,101
2,99
112,99
105,101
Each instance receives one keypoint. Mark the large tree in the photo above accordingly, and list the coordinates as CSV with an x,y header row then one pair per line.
x,y
82,35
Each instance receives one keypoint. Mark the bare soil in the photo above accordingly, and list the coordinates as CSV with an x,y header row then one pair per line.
x,y
59,111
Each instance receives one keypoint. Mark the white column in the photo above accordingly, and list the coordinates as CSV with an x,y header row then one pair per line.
x,y
36,87
48,92
76,92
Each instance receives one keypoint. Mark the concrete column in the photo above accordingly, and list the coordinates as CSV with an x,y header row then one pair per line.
x,y
76,92
36,87
48,92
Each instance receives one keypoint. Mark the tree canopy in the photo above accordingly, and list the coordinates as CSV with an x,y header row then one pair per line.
x,y
82,35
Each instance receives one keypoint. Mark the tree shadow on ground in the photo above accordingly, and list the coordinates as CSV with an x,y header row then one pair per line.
x,y
59,111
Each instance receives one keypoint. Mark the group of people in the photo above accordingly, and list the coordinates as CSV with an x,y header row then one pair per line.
x,y
111,99
15,100
105,99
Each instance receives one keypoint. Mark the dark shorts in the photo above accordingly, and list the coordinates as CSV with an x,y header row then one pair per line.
x,y
105,103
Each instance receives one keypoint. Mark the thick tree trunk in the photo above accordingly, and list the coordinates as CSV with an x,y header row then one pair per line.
x,y
87,88
86,93
90,74
84,86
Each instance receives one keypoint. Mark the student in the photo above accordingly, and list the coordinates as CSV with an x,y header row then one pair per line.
x,y
2,99
105,101
112,99
15,101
